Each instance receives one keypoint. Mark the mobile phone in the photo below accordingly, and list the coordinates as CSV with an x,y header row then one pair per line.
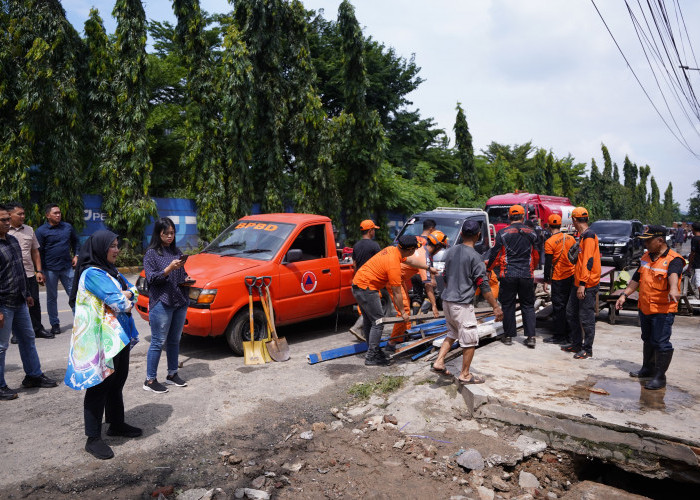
x,y
183,258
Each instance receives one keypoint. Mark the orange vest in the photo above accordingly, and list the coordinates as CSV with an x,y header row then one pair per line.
x,y
653,284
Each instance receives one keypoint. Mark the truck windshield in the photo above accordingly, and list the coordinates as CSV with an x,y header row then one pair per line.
x,y
607,228
259,240
451,227
498,214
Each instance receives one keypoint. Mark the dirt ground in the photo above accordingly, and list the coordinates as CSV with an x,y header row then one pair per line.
x,y
242,429
269,453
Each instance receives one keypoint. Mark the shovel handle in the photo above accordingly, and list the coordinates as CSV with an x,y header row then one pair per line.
x,y
250,282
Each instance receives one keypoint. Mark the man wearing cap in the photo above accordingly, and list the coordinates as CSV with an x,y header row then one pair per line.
x,y
514,251
559,273
658,280
365,249
464,273
420,264
381,271
580,311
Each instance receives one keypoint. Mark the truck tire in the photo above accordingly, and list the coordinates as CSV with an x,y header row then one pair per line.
x,y
238,331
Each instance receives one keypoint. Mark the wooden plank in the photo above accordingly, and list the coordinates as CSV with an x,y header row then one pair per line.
x,y
398,319
417,343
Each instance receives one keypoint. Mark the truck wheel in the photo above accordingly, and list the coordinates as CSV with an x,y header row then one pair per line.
x,y
238,330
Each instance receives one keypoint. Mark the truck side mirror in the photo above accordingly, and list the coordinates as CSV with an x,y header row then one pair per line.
x,y
294,255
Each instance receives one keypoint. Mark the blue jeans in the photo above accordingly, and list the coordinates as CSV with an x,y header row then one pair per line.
x,y
166,328
17,321
656,329
52,277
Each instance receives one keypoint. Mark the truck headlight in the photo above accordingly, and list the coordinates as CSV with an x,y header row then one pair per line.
x,y
202,295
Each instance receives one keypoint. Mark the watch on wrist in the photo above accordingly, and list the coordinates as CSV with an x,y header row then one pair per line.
x,y
40,271
625,295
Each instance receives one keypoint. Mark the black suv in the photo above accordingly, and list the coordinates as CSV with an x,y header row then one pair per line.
x,y
617,241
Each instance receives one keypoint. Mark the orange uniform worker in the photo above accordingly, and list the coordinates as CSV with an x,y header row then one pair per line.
x,y
381,271
421,262
580,311
658,280
559,273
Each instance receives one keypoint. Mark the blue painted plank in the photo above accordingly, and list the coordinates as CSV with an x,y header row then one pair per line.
x,y
339,352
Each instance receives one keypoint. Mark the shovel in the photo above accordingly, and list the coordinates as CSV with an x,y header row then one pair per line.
x,y
252,350
266,352
278,347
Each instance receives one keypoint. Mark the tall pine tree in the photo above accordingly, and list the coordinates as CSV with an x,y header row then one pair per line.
x,y
465,151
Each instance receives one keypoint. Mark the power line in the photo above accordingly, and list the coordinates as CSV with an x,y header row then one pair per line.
x,y
678,84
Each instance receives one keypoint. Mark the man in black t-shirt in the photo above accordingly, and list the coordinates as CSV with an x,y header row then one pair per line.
x,y
362,251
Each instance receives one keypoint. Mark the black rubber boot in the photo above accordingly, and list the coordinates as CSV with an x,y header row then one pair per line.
x,y
98,448
647,370
663,361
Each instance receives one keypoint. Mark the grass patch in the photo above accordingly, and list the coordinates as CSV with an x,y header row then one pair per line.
x,y
384,385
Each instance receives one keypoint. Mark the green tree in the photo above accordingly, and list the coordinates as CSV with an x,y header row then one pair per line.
x,y
360,154
237,110
48,106
203,154
641,202
655,211
465,151
694,203
15,154
98,95
315,189
127,170
590,194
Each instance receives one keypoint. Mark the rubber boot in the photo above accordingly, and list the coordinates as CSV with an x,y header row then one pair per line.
x,y
663,361
647,370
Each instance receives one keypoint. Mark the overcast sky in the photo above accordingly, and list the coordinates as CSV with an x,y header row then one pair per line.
x,y
540,70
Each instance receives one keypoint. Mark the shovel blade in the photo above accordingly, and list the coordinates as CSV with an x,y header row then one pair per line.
x,y
252,353
278,349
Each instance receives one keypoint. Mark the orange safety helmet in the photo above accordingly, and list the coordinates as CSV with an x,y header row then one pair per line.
x,y
437,238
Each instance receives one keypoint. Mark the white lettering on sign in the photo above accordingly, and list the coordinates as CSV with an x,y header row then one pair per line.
x,y
91,215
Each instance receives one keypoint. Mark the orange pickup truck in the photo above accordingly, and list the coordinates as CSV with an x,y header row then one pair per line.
x,y
297,250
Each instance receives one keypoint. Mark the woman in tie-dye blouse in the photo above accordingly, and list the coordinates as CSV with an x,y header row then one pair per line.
x,y
103,332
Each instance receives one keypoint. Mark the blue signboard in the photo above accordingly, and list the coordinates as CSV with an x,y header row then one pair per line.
x,y
181,211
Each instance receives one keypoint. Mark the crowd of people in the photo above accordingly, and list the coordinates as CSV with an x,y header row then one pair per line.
x,y
104,332
572,269
101,298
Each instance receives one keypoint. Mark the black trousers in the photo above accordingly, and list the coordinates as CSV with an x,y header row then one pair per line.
x,y
106,397
561,290
581,316
35,310
524,290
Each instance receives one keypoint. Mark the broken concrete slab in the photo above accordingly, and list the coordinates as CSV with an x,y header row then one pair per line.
x,y
654,433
